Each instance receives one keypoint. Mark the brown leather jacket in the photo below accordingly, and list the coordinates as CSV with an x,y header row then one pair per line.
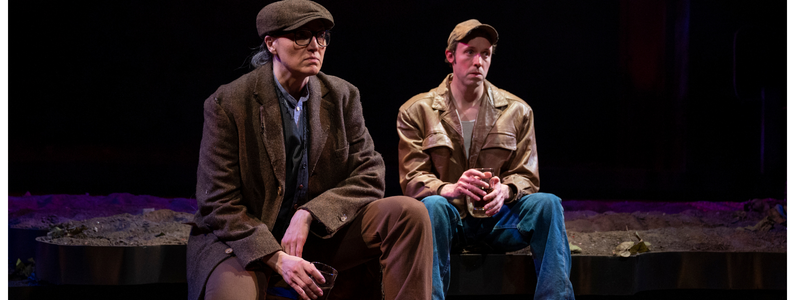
x,y
431,150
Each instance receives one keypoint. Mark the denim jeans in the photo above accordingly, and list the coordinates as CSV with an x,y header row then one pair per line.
x,y
535,220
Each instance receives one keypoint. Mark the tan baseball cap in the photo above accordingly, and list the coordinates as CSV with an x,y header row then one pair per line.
x,y
288,15
464,28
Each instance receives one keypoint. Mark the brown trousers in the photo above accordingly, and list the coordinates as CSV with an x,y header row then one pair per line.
x,y
396,231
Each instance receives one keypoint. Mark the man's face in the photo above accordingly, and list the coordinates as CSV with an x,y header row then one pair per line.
x,y
471,61
300,61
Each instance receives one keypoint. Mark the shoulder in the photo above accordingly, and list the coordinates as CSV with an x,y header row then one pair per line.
x,y
336,84
421,101
513,101
234,93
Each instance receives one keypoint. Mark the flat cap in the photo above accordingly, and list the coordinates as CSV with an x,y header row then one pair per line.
x,y
466,27
288,15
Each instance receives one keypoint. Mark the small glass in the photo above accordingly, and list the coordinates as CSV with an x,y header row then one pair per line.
x,y
475,208
330,277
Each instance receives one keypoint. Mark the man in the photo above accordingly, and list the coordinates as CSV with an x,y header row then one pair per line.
x,y
467,123
285,153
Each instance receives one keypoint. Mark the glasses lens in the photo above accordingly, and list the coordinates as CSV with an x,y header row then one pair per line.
x,y
324,38
302,37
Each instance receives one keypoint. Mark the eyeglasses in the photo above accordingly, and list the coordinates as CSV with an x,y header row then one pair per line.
x,y
302,37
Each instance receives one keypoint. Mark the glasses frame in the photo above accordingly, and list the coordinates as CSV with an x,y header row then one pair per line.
x,y
314,34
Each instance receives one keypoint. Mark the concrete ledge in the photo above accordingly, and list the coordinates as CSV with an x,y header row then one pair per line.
x,y
504,274
93,265
472,274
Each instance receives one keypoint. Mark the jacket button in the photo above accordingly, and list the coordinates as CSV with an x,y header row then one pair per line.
x,y
300,187
294,207
343,218
228,251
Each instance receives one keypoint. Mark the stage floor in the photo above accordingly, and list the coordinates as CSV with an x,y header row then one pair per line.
x,y
696,248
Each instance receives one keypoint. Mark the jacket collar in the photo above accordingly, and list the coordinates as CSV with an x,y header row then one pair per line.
x,y
441,97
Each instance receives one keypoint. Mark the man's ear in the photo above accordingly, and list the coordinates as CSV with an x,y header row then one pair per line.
x,y
270,42
450,56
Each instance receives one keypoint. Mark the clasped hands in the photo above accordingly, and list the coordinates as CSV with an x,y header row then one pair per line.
x,y
470,184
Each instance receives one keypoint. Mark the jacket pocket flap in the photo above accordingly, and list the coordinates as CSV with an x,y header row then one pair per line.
x,y
437,139
503,140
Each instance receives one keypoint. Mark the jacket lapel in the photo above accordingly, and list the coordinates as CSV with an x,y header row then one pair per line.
x,y
442,102
271,121
318,120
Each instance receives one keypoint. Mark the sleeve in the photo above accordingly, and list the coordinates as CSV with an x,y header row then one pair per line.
x,y
416,179
220,204
522,173
365,176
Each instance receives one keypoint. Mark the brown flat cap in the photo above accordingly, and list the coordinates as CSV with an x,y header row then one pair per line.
x,y
464,28
288,15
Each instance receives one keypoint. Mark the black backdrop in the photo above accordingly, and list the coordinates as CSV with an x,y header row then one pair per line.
x,y
654,100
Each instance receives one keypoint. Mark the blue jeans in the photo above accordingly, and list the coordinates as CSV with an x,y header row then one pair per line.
x,y
536,220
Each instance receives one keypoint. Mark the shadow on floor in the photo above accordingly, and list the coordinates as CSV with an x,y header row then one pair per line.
x,y
178,291
659,295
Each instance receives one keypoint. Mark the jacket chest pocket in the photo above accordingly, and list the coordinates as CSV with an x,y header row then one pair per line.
x,y
497,150
440,149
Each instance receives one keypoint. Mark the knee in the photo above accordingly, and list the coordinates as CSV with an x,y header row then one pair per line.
x,y
230,281
409,207
436,204
544,202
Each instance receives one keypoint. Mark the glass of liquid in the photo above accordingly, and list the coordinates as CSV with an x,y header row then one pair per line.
x,y
475,208
330,277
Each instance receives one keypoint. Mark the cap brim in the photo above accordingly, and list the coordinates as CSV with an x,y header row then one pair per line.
x,y
488,29
306,20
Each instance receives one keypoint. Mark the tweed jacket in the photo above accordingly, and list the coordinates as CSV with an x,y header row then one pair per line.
x,y
431,149
241,171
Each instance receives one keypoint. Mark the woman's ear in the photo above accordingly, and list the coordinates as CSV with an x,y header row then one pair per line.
x,y
270,42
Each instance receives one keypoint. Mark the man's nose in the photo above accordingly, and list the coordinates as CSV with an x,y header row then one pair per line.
x,y
477,60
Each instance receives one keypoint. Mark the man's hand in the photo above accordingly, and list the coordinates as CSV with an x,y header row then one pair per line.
x,y
497,197
297,233
297,272
469,184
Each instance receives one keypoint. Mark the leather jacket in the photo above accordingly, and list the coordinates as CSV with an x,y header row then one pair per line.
x,y
431,149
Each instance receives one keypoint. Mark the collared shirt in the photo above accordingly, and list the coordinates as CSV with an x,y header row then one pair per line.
x,y
295,133
296,106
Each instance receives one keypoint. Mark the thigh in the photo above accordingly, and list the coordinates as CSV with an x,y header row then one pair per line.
x,y
230,280
348,247
445,213
344,250
355,250
503,232
360,241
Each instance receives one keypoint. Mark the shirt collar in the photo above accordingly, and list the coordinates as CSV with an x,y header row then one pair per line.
x,y
291,101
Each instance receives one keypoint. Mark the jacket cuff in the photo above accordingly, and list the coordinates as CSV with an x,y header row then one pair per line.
x,y
438,187
250,250
513,194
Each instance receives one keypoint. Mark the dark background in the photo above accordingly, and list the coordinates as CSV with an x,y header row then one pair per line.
x,y
670,100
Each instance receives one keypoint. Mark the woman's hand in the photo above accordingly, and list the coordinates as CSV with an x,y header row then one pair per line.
x,y
298,273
